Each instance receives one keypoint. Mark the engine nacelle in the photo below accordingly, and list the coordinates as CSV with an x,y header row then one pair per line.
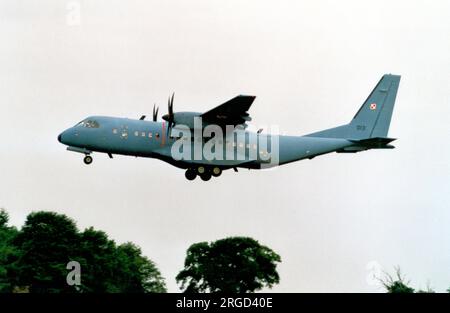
x,y
185,118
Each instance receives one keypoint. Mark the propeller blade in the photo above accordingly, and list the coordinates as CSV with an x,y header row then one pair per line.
x,y
155,113
170,107
169,117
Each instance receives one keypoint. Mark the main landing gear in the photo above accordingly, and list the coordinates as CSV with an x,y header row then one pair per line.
x,y
190,174
87,160
205,173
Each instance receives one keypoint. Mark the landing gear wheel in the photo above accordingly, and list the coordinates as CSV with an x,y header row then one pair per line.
x,y
216,171
190,174
87,160
205,176
201,170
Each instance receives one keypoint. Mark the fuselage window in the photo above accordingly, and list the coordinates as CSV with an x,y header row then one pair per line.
x,y
143,134
150,135
115,131
157,135
136,133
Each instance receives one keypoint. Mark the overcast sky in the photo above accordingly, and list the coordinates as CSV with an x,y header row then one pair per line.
x,y
311,64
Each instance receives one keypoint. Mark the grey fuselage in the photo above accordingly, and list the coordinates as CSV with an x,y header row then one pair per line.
x,y
150,139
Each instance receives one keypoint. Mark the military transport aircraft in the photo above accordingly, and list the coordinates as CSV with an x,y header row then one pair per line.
x,y
185,140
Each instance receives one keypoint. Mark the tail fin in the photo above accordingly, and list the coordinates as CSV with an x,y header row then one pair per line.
x,y
374,117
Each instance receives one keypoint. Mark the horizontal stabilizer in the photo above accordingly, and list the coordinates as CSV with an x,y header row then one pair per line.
x,y
366,144
373,143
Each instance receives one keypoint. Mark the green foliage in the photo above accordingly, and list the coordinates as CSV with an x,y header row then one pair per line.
x,y
110,268
98,262
399,287
4,218
397,283
48,241
137,273
234,265
7,250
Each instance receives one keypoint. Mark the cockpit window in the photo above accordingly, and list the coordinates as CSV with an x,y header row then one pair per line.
x,y
89,123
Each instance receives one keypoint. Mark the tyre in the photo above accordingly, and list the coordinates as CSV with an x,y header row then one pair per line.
x,y
190,174
87,159
205,176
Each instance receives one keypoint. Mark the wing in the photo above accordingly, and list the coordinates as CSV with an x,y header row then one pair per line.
x,y
232,112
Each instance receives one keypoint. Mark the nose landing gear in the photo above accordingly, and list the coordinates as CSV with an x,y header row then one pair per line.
x,y
87,160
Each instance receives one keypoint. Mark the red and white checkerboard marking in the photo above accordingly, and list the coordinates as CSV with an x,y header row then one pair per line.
x,y
373,106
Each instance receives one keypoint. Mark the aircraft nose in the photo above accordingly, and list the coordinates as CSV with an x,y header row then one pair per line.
x,y
59,137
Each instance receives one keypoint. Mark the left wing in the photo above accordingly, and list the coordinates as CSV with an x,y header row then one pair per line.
x,y
232,112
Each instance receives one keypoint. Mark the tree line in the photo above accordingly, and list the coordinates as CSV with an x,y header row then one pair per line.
x,y
49,251
35,259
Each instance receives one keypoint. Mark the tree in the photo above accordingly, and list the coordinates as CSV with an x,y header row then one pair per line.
x,y
110,268
397,283
235,265
96,255
4,218
46,243
137,273
7,251
49,241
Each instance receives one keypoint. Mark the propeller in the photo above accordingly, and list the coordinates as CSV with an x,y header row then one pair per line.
x,y
170,116
155,113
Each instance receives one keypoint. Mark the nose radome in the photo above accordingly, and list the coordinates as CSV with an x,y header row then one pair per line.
x,y
59,137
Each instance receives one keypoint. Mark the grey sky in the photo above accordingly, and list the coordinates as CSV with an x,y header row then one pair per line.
x,y
310,63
